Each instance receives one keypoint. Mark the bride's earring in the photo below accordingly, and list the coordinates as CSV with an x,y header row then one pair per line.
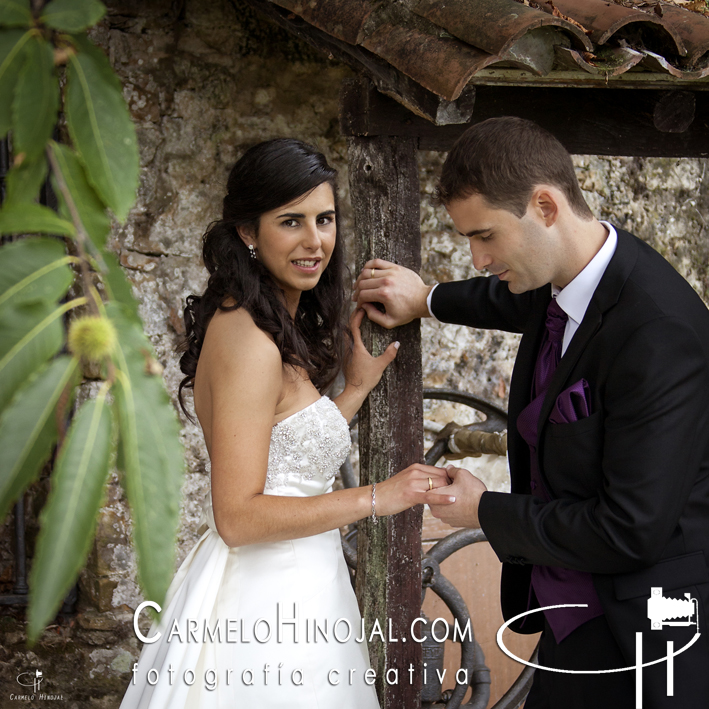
x,y
252,251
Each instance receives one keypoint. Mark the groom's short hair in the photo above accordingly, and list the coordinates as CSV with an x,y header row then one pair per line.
x,y
504,160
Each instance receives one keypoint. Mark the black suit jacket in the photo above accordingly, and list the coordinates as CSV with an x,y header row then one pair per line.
x,y
631,482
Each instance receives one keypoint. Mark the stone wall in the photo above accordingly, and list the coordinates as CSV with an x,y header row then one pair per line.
x,y
205,80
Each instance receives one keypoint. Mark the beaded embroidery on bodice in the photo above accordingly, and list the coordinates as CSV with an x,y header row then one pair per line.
x,y
313,442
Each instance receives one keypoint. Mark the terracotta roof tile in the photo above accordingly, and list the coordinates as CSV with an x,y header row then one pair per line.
x,y
493,25
440,64
692,27
443,45
616,61
603,19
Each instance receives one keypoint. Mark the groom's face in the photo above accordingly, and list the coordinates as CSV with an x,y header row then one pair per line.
x,y
518,251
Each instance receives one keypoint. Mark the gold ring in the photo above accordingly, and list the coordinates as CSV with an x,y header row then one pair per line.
x,y
372,276
430,484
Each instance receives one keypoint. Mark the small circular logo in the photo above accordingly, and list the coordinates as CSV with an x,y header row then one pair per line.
x,y
30,679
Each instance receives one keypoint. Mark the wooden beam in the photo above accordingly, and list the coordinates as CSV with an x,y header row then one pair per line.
x,y
384,189
633,122
575,79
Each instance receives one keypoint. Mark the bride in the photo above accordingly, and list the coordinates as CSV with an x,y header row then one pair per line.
x,y
262,613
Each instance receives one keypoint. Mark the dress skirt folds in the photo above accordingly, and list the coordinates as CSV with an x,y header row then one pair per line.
x,y
264,625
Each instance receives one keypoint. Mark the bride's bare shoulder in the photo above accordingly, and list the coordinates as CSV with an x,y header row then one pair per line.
x,y
233,336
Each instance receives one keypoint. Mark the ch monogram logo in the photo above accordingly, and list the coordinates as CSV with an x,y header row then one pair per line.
x,y
30,679
661,612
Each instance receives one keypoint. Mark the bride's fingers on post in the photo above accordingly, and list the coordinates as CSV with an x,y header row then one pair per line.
x,y
386,357
356,323
389,355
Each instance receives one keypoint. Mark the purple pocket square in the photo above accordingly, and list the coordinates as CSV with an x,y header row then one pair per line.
x,y
573,404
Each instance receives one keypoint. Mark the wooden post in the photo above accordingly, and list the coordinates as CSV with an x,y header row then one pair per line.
x,y
384,187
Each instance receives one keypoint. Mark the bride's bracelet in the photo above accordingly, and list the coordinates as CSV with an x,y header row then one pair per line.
x,y
375,519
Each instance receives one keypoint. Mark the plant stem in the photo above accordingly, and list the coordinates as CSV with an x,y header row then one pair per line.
x,y
82,238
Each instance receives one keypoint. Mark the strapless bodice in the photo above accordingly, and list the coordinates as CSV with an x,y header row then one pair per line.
x,y
306,451
307,447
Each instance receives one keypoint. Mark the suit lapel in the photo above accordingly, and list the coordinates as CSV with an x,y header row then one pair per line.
x,y
604,298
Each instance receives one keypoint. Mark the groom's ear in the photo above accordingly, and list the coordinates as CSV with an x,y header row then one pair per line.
x,y
544,204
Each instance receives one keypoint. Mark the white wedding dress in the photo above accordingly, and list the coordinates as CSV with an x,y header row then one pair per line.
x,y
246,592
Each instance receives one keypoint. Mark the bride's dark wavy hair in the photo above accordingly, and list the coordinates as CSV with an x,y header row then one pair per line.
x,y
317,339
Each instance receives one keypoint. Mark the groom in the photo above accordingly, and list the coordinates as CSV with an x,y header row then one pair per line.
x,y
608,421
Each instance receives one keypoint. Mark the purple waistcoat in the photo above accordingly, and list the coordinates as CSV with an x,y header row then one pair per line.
x,y
554,585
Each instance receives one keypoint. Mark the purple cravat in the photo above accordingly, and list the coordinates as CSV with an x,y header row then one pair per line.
x,y
544,368
550,351
554,585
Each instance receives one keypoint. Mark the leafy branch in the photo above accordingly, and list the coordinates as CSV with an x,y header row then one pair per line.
x,y
131,422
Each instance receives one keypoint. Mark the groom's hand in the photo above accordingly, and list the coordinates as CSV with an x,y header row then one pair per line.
x,y
467,490
401,291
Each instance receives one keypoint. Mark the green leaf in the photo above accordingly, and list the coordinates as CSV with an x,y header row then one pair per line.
x,y
120,462
72,15
34,275
28,428
90,208
25,180
152,455
32,218
30,333
34,109
118,287
34,269
12,45
15,13
68,520
85,46
101,129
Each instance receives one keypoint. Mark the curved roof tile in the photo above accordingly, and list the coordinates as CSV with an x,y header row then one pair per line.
x,y
616,61
603,19
493,25
443,44
658,63
692,27
440,64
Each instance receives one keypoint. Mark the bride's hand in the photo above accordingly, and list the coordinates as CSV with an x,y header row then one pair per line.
x,y
409,487
363,371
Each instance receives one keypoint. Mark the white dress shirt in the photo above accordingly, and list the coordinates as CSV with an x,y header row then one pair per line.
x,y
574,299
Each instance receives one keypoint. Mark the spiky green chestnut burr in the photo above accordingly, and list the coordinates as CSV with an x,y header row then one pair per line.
x,y
92,338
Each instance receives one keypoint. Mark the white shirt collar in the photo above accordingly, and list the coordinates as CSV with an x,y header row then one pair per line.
x,y
575,297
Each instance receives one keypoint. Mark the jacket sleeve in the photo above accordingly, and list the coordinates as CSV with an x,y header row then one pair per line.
x,y
483,303
654,451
